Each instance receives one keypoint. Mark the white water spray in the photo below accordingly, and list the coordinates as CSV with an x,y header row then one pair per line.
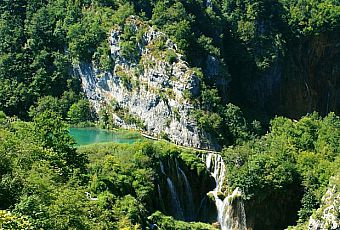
x,y
160,196
188,194
226,216
175,201
162,167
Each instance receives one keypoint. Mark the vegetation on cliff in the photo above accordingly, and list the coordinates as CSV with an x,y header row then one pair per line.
x,y
41,40
49,184
283,175
287,170
46,183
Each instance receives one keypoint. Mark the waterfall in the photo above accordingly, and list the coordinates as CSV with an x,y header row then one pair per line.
x,y
242,214
176,167
201,204
208,161
189,195
178,211
160,197
234,216
227,216
162,167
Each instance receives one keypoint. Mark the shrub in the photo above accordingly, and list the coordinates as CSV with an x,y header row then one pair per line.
x,y
80,111
170,56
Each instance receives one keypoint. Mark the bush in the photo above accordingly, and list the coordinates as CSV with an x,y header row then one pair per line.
x,y
286,161
80,111
170,56
3,117
10,221
169,223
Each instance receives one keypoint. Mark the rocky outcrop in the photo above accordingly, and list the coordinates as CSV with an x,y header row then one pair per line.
x,y
311,77
327,216
305,79
274,210
153,83
182,190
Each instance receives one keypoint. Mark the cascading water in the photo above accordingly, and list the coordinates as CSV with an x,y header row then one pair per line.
x,y
160,196
188,194
226,215
181,191
162,167
178,211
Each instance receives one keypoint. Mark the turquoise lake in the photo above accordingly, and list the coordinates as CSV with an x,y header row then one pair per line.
x,y
86,136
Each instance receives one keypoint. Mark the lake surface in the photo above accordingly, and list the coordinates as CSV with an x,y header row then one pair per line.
x,y
86,136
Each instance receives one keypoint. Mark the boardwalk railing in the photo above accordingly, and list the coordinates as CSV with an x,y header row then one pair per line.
x,y
182,146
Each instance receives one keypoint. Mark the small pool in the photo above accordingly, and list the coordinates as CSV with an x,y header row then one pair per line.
x,y
86,136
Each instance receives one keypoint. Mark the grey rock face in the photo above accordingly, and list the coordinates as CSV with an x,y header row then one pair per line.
x,y
149,87
327,216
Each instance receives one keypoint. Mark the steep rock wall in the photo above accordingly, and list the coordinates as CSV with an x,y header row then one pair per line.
x,y
327,216
155,85
312,77
305,79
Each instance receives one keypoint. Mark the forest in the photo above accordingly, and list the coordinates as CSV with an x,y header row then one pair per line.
x,y
268,78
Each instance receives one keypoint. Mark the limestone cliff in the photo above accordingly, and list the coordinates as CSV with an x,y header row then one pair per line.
x,y
311,77
328,215
151,82
302,80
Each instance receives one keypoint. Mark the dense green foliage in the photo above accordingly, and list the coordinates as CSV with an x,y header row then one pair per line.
x,y
44,179
10,221
228,123
36,34
80,112
167,222
70,107
48,184
294,162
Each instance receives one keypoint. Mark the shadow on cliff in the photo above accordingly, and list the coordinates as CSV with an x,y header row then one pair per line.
x,y
303,79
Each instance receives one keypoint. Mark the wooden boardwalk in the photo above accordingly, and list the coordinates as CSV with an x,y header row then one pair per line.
x,y
182,146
